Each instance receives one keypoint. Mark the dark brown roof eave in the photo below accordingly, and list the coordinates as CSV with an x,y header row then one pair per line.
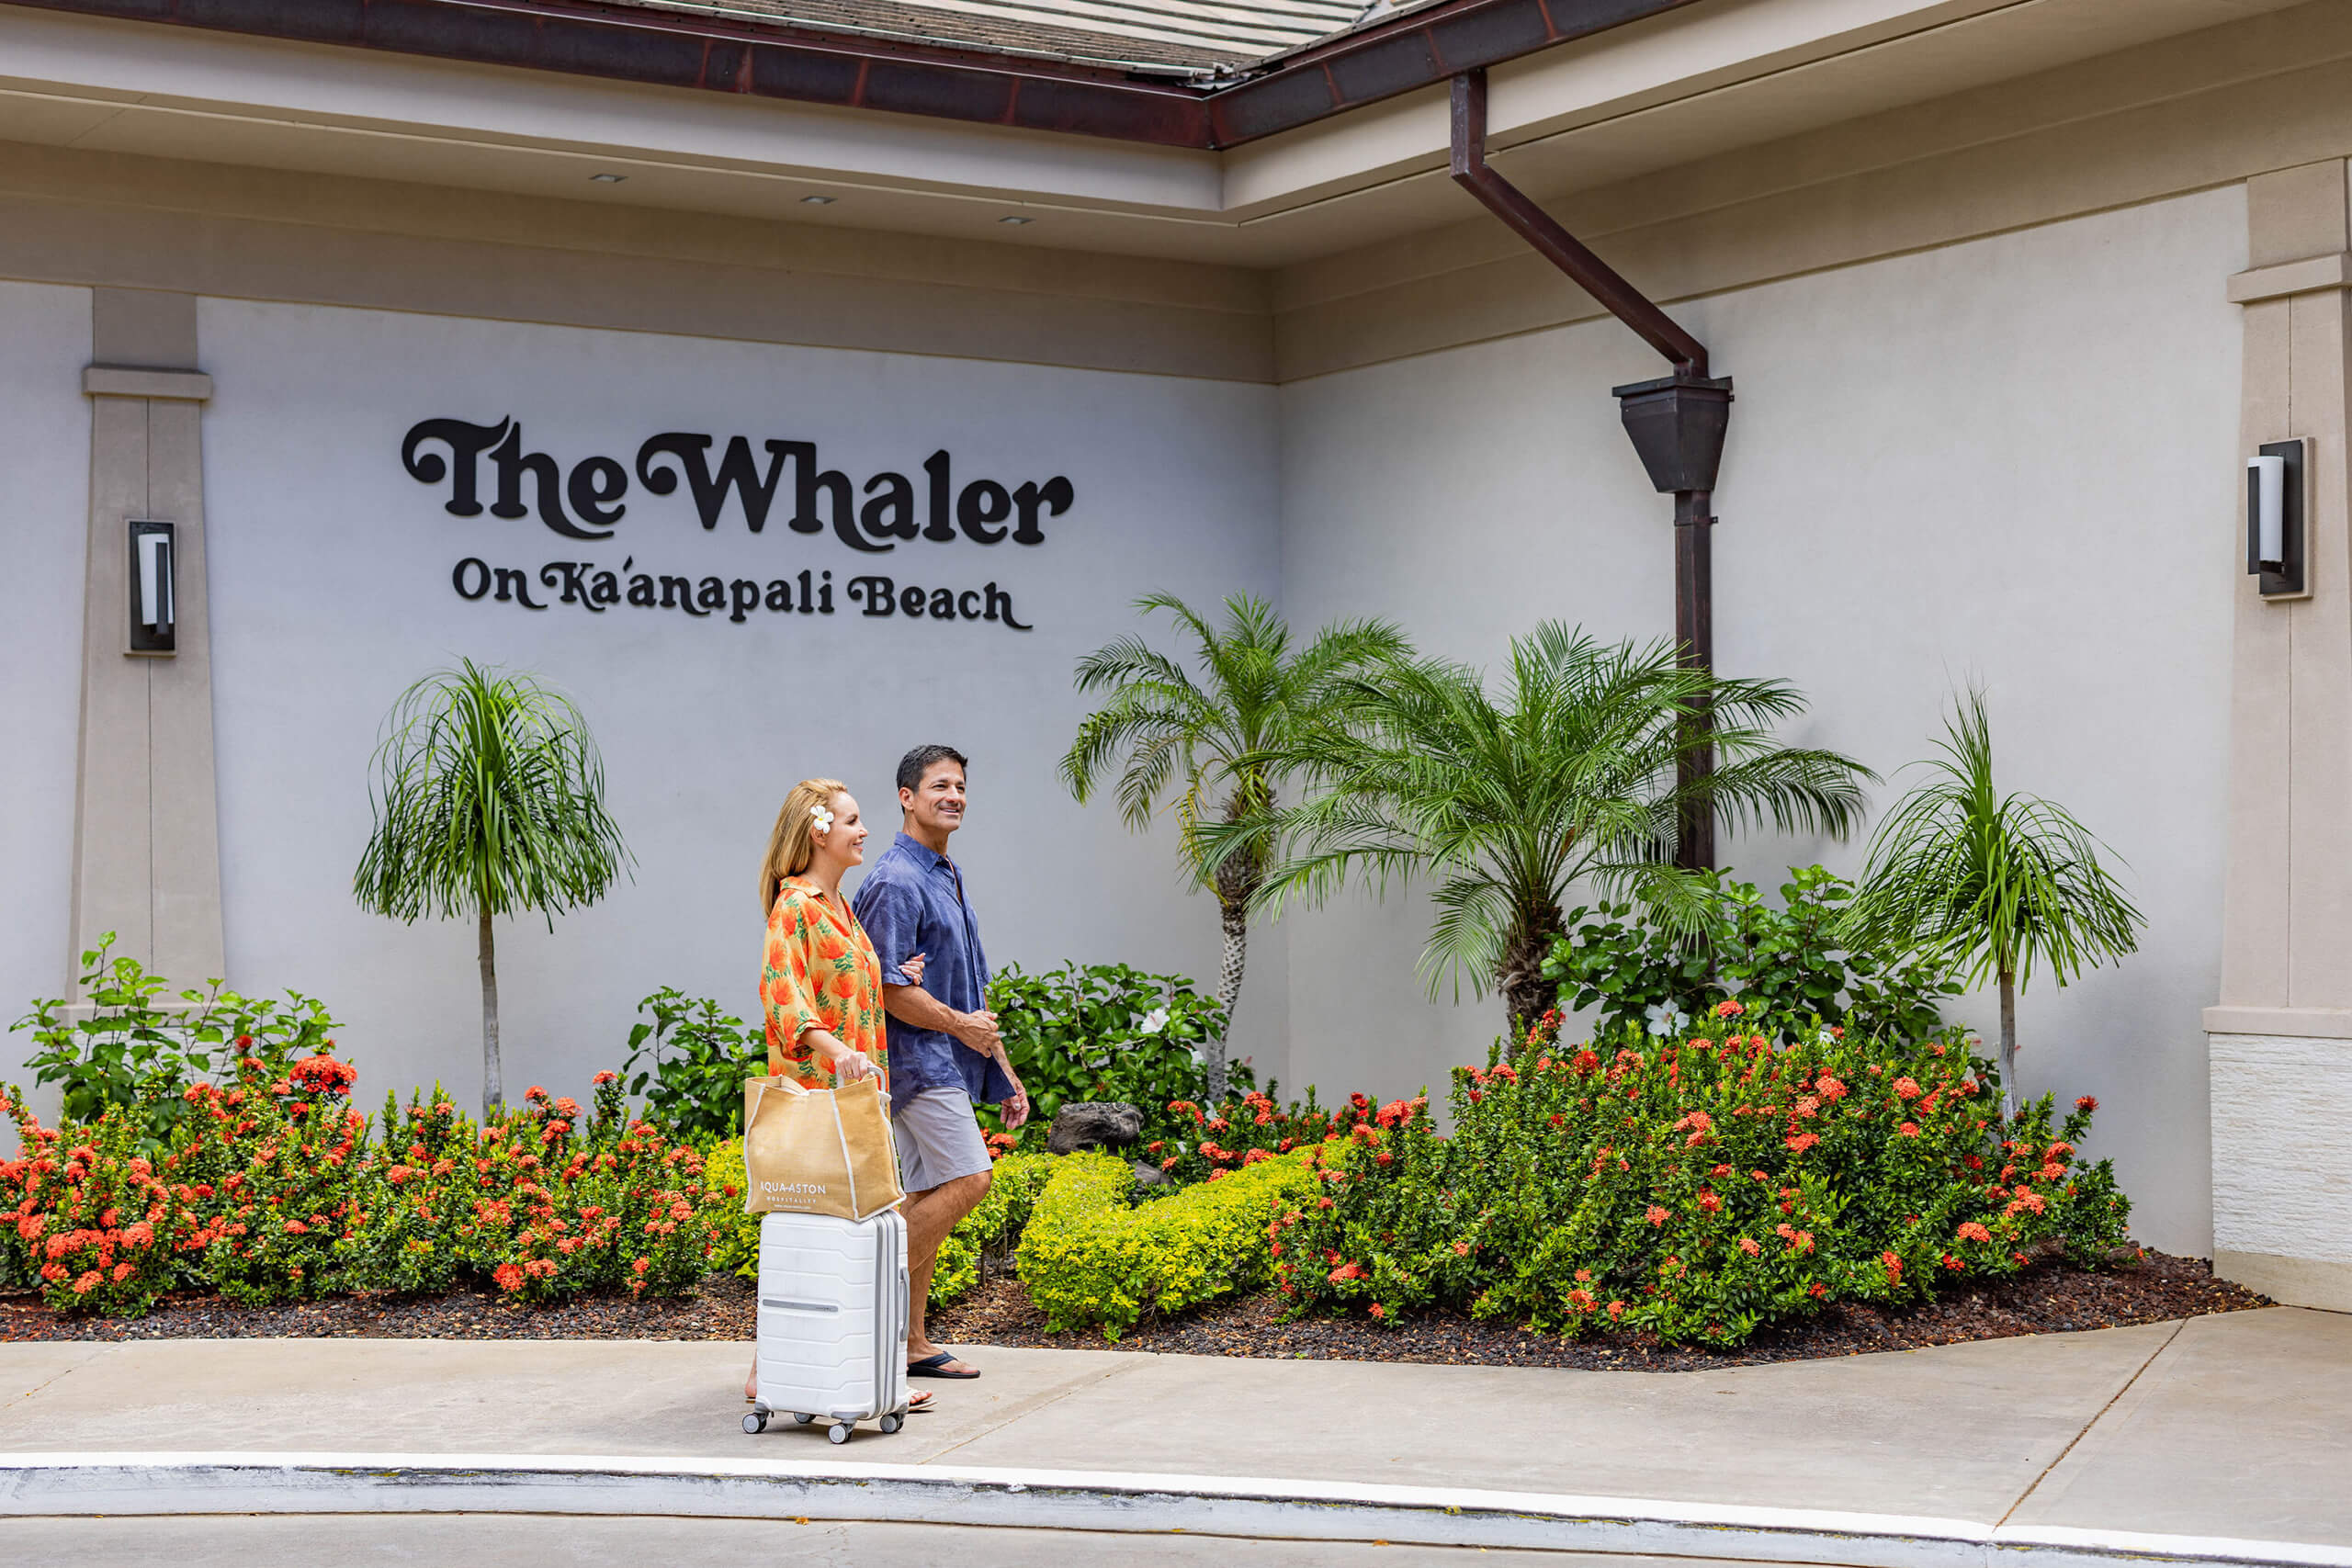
x,y
810,66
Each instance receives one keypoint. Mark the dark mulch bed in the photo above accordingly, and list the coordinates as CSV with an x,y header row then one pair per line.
x,y
722,1309
2047,1298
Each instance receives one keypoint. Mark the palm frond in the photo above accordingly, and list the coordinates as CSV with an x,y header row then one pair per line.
x,y
1508,793
488,797
1997,885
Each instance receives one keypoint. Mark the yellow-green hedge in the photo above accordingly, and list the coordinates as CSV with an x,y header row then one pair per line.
x,y
994,1224
1090,1255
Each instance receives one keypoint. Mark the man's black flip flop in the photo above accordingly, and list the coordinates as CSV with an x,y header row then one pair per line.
x,y
937,1367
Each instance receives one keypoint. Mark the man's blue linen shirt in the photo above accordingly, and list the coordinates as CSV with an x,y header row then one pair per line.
x,y
912,901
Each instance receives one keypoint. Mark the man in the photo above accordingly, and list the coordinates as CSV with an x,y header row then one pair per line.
x,y
945,1052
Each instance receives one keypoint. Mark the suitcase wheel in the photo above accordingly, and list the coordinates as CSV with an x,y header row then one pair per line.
x,y
756,1422
800,1420
838,1431
890,1424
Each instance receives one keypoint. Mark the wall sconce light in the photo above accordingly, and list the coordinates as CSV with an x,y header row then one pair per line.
x,y
2278,481
154,599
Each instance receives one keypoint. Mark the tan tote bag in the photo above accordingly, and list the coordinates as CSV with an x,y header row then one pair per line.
x,y
817,1151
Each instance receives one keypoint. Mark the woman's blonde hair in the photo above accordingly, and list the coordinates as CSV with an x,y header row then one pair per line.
x,y
792,843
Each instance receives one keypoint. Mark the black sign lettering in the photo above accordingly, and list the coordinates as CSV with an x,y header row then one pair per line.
x,y
587,498
821,497
466,443
737,471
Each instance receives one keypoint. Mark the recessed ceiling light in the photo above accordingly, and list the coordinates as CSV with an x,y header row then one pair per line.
x,y
606,179
1015,220
816,201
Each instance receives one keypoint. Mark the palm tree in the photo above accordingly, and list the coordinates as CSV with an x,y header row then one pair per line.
x,y
488,799
1989,883
1506,799
1208,737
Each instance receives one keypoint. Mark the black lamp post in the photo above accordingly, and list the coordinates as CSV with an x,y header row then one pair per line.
x,y
1677,421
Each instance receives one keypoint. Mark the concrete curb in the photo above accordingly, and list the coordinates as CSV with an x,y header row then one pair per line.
x,y
149,1483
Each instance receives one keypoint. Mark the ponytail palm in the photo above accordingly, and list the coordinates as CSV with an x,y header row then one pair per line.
x,y
1210,733
489,800
1504,799
1991,885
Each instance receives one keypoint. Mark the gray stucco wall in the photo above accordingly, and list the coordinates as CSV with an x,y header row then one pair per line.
x,y
2009,461
331,584
44,498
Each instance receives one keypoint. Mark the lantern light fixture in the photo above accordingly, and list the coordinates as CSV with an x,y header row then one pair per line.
x,y
2278,479
154,597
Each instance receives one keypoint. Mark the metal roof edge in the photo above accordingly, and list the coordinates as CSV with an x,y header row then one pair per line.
x,y
1208,108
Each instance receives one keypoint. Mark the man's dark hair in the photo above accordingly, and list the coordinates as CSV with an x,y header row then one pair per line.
x,y
917,763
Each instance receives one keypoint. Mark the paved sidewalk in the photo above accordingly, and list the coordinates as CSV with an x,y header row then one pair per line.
x,y
2236,1427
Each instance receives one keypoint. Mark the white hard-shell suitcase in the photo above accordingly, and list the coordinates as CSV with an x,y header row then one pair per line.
x,y
833,1322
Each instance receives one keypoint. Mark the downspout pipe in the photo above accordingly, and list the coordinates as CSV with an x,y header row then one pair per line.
x,y
1677,421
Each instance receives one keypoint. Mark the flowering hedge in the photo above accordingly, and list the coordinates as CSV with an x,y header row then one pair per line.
x,y
1090,1255
1699,1189
1252,1128
275,1187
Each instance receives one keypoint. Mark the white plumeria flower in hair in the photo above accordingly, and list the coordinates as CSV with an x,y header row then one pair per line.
x,y
824,819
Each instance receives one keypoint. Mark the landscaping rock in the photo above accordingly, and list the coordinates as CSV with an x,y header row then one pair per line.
x,y
1151,1175
1094,1125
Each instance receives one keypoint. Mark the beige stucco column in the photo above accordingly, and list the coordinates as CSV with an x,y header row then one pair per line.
x,y
2281,1037
146,828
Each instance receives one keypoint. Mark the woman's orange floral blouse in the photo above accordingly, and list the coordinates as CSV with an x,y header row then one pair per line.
x,y
819,973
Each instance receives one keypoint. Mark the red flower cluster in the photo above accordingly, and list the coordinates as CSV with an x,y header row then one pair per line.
x,y
272,1189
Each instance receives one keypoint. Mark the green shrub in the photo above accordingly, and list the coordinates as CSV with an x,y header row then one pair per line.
x,y
699,1056
1701,1188
1090,1255
134,1052
1103,1032
1788,964
735,1248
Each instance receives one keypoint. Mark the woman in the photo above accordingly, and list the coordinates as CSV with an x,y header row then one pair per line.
x,y
820,985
